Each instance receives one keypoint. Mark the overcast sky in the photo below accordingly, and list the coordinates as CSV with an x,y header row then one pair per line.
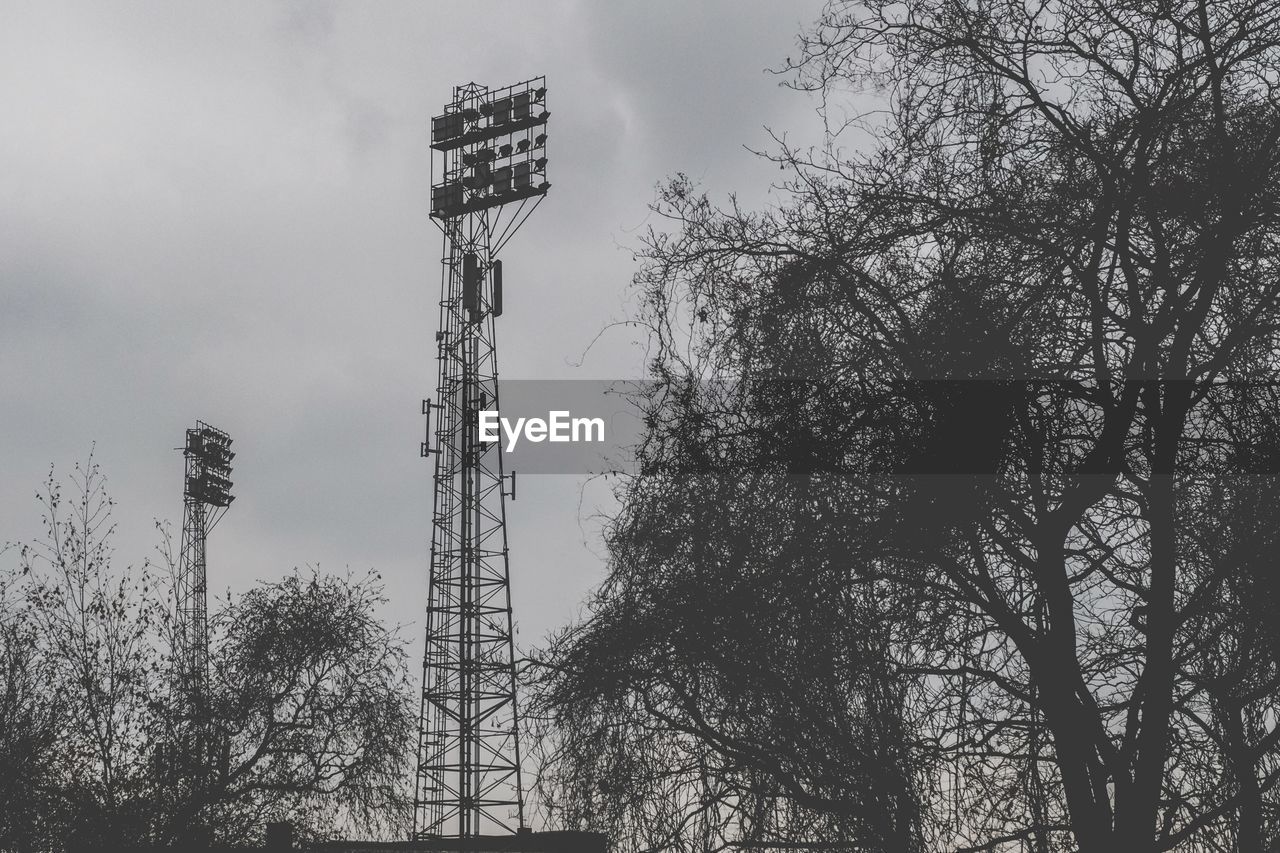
x,y
219,211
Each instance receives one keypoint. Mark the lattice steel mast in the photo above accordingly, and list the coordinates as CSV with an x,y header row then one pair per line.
x,y
490,174
206,495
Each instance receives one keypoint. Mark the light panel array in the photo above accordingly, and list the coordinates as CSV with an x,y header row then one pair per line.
x,y
494,148
210,482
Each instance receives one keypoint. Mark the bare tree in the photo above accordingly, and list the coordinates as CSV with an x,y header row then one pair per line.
x,y
96,627
310,704
31,721
312,698
989,443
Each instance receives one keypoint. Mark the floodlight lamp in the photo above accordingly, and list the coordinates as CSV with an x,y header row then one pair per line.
x,y
446,127
219,452
217,495
505,150
221,473
539,94
540,164
216,436
522,145
479,178
445,198
540,140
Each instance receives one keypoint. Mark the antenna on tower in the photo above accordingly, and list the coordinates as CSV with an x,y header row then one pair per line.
x,y
490,174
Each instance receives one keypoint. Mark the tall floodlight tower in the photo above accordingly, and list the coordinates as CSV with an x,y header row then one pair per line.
x,y
489,173
206,496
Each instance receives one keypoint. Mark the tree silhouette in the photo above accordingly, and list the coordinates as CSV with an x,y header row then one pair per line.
x,y
309,699
967,545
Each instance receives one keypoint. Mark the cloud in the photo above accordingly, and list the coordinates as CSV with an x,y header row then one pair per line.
x,y
219,211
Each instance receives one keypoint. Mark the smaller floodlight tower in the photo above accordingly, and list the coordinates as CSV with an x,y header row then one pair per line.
x,y
206,496
489,174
